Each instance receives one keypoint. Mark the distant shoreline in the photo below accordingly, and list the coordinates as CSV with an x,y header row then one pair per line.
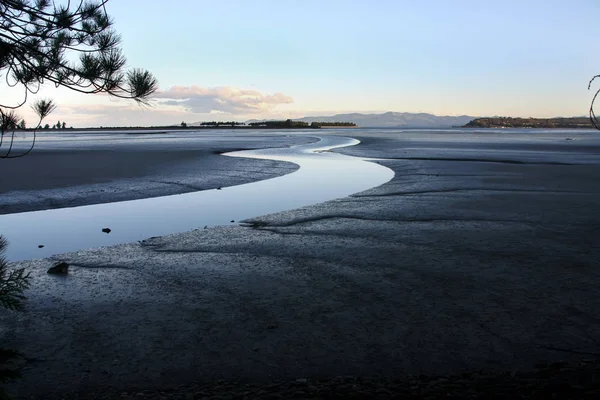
x,y
166,129
543,123
156,130
161,129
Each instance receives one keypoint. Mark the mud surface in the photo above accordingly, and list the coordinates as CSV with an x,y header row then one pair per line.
x,y
484,258
80,169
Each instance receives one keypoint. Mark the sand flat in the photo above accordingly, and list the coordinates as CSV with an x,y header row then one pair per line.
x,y
486,260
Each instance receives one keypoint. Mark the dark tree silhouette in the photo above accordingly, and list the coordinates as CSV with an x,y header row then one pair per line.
x,y
37,35
593,116
66,44
8,126
12,285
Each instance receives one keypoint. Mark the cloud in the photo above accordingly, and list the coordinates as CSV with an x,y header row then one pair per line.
x,y
121,114
221,99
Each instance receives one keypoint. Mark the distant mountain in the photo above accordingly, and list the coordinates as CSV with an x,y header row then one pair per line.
x,y
394,120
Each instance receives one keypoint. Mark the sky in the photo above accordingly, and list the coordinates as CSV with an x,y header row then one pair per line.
x,y
238,59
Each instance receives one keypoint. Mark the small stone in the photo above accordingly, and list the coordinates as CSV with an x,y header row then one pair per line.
x,y
302,381
232,221
61,268
218,188
106,230
273,326
40,246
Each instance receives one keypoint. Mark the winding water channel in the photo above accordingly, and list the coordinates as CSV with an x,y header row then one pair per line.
x,y
322,176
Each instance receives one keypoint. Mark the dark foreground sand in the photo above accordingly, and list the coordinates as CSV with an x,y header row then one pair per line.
x,y
478,257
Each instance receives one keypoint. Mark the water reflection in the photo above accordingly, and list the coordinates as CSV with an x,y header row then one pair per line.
x,y
322,176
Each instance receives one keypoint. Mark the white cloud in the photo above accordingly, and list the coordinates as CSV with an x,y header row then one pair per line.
x,y
120,114
228,100
169,107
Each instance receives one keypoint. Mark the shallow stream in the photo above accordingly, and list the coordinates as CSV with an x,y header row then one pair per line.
x,y
322,176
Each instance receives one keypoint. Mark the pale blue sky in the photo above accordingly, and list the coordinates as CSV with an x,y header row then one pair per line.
x,y
514,58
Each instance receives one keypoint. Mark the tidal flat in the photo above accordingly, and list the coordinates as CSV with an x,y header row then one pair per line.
x,y
480,254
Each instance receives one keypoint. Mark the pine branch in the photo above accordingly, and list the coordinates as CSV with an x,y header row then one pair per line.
x,y
36,35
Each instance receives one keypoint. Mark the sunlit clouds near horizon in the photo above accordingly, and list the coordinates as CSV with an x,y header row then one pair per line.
x,y
227,100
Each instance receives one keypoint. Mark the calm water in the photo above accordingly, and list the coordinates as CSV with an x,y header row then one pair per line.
x,y
322,176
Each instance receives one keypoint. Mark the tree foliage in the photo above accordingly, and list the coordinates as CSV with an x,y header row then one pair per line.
x,y
288,123
222,123
9,123
68,44
12,285
38,35
510,122
318,124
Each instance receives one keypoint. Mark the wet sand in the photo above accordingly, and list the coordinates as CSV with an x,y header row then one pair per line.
x,y
475,256
92,169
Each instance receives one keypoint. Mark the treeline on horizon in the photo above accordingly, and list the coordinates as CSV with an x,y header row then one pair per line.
x,y
21,125
288,123
510,122
259,124
221,123
319,124
283,124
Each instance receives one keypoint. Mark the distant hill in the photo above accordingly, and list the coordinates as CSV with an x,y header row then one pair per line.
x,y
508,122
394,120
